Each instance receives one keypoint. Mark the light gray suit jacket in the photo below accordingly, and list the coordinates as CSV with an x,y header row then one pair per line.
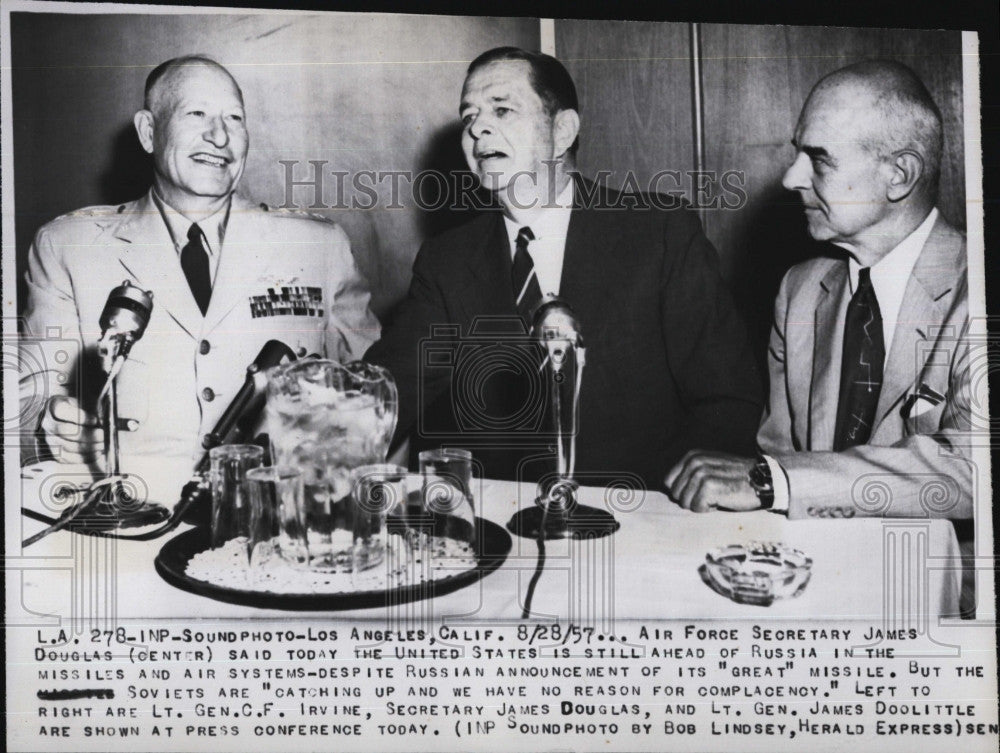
x,y
916,463
281,275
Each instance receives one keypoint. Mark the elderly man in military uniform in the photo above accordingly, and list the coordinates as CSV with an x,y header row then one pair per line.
x,y
227,275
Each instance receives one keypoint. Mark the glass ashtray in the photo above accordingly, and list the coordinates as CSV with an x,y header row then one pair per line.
x,y
757,573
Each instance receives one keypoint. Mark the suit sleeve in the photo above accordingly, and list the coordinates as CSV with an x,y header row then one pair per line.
x,y
351,327
775,433
399,349
707,345
927,473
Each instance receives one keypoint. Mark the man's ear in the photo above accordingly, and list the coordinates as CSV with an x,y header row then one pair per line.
x,y
565,128
906,169
143,121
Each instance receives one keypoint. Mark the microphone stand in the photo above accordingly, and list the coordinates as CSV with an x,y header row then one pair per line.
x,y
108,505
114,507
556,514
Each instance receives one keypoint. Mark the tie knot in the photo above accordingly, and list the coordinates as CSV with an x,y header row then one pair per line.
x,y
524,236
194,233
864,277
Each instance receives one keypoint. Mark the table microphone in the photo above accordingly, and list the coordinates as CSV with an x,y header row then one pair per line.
x,y
107,505
233,427
556,514
124,318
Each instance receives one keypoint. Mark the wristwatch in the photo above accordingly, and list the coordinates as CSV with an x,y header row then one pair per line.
x,y
762,483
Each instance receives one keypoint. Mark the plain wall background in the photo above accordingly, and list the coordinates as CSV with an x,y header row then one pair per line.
x,y
380,92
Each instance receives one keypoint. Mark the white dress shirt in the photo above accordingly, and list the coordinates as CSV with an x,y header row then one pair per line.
x,y
889,279
548,249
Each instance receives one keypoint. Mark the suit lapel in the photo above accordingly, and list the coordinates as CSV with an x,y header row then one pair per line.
x,y
828,327
588,242
148,254
584,283
925,304
488,265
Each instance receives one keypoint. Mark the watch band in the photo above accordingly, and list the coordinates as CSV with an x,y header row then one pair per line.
x,y
762,483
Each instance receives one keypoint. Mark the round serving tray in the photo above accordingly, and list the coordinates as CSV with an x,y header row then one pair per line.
x,y
171,564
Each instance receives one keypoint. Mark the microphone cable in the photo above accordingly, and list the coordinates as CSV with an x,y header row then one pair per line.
x,y
539,566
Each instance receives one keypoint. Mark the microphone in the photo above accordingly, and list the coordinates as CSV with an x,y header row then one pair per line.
x,y
556,327
108,505
123,321
555,319
124,318
557,514
233,425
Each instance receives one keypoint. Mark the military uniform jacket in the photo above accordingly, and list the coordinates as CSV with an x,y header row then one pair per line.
x,y
281,275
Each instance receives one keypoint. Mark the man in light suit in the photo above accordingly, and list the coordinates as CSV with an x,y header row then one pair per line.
x,y
668,363
226,275
869,409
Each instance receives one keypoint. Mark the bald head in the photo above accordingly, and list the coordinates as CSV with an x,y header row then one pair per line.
x,y
194,125
165,79
893,112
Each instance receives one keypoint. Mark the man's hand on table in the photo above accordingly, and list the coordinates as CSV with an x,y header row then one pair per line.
x,y
72,434
704,480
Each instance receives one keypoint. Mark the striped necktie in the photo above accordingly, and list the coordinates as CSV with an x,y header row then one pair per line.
x,y
524,280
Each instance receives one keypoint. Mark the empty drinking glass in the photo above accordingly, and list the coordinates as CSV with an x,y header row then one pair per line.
x,y
277,516
229,465
446,494
380,492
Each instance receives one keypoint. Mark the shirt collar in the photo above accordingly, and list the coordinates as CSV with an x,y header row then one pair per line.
x,y
213,227
550,223
895,267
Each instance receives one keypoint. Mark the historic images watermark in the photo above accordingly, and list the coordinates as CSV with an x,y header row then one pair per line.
x,y
314,186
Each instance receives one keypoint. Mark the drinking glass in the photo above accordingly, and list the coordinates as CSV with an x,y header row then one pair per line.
x,y
229,465
446,493
380,492
277,516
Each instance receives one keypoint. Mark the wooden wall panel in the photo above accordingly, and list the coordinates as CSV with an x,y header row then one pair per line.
x,y
634,84
756,79
363,92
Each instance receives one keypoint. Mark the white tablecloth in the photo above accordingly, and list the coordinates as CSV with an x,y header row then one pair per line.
x,y
863,569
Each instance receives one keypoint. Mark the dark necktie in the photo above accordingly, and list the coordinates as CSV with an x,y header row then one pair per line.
x,y
861,371
524,280
194,262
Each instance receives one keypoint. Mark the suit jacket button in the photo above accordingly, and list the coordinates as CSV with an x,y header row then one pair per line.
x,y
204,347
208,394
301,352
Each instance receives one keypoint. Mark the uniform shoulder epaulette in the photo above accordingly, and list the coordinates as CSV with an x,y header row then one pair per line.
x,y
99,212
300,214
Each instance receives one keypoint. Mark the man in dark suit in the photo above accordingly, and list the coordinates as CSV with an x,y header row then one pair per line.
x,y
869,412
668,363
